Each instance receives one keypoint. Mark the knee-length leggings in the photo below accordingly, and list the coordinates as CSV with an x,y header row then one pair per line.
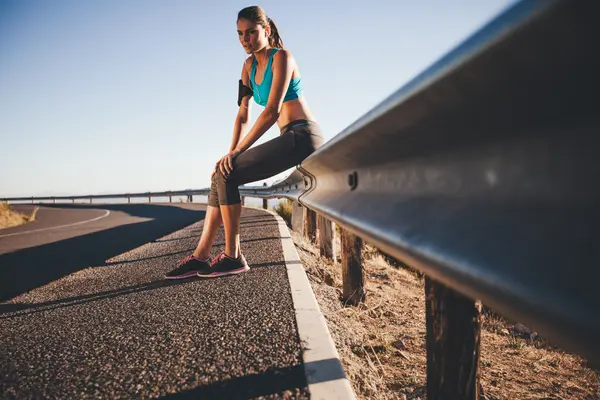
x,y
297,141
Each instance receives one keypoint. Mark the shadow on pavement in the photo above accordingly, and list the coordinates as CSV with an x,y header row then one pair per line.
x,y
250,386
27,269
20,309
268,383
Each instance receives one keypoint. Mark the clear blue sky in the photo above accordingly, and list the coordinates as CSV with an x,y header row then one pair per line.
x,y
140,95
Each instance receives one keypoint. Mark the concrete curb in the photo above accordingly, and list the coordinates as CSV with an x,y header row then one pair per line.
x,y
324,371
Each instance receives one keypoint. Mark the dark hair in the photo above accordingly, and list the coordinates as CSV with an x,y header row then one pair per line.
x,y
257,15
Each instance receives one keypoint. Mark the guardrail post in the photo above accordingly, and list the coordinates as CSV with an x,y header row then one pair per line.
x,y
297,217
335,247
310,224
453,338
149,199
324,234
265,204
170,199
352,271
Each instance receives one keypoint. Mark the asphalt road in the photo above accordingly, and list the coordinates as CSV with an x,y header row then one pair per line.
x,y
34,254
90,316
52,225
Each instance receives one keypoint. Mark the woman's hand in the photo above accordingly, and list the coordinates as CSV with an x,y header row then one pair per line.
x,y
225,164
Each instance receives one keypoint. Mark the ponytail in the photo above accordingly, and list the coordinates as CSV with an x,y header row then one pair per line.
x,y
259,16
274,40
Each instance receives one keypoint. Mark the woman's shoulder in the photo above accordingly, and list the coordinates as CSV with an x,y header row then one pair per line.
x,y
247,67
283,56
249,61
282,53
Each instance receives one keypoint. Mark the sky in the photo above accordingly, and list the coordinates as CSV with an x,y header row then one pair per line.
x,y
112,96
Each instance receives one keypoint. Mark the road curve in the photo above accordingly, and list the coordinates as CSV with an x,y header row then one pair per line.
x,y
66,238
48,225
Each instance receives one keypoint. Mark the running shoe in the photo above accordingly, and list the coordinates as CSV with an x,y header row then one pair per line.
x,y
224,265
188,267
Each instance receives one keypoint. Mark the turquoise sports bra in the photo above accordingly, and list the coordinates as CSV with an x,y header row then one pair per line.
x,y
261,92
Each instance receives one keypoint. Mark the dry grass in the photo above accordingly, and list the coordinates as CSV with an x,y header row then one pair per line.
x,y
382,343
284,209
10,218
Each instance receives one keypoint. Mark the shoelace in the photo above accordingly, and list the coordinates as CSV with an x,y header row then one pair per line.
x,y
218,258
186,259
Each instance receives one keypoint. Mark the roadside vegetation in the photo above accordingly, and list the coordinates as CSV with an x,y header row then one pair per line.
x,y
10,217
382,343
284,209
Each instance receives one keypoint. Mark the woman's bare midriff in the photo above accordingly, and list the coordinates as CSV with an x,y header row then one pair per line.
x,y
294,110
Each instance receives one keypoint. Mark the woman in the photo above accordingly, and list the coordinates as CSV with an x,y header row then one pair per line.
x,y
270,75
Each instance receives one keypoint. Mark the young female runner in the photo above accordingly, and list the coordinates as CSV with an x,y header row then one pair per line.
x,y
271,76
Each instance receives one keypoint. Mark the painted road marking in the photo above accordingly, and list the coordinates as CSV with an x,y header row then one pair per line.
x,y
57,227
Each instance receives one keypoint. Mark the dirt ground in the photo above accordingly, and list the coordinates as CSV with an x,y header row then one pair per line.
x,y
382,343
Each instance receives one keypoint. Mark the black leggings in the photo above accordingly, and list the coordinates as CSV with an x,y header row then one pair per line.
x,y
297,141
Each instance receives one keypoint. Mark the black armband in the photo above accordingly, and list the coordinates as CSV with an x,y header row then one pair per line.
x,y
243,91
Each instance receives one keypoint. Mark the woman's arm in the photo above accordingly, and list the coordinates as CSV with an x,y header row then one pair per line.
x,y
243,116
283,67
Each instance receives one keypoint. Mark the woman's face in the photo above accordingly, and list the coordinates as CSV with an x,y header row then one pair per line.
x,y
253,36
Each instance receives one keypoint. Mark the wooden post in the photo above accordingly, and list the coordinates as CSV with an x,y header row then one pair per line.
x,y
352,270
453,338
149,199
265,201
297,217
310,224
53,201
90,200
335,247
170,199
243,201
324,235
128,199
73,201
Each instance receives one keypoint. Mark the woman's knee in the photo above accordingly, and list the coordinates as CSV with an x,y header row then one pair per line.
x,y
214,179
219,178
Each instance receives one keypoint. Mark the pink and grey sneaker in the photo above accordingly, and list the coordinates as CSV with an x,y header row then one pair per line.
x,y
224,265
188,267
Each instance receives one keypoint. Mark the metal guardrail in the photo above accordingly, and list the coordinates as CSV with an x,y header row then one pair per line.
x,y
259,191
289,187
189,192
483,171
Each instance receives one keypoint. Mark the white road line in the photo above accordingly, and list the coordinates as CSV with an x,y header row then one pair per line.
x,y
57,227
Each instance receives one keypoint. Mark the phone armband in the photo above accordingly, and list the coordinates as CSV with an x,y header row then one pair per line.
x,y
243,91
